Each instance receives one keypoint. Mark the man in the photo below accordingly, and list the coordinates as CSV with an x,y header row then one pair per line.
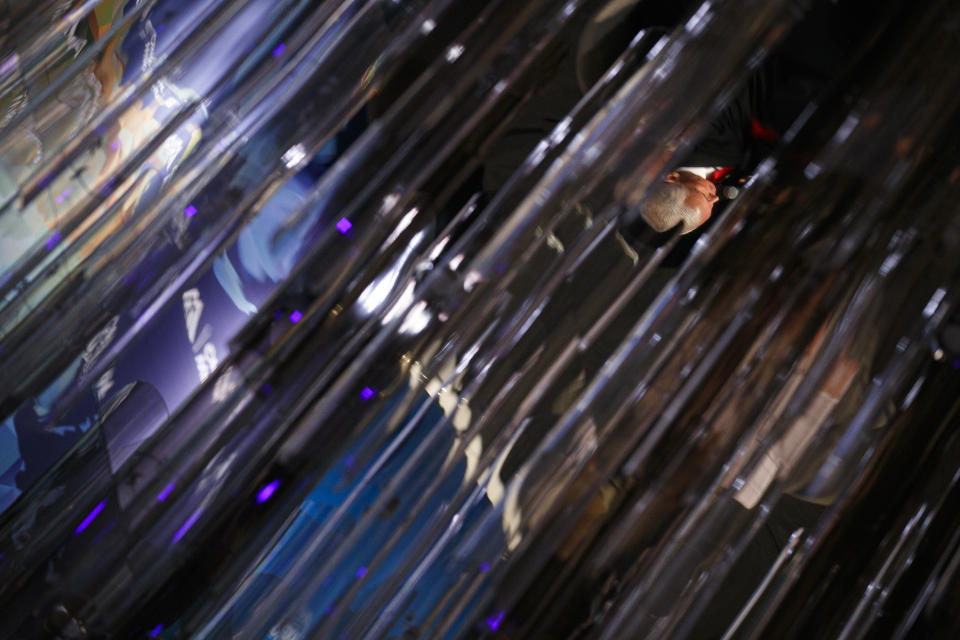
x,y
684,198
752,124
748,128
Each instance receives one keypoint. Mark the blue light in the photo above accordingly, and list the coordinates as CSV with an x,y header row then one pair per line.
x,y
267,492
189,522
279,49
494,622
90,518
368,393
156,631
165,493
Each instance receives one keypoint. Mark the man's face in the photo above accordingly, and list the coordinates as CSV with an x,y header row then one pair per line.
x,y
701,193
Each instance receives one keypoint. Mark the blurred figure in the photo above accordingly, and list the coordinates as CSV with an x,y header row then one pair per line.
x,y
684,198
753,123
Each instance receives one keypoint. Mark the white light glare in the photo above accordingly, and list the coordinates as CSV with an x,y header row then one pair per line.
x,y
293,156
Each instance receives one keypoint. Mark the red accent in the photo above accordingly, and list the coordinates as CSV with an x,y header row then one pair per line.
x,y
718,175
761,131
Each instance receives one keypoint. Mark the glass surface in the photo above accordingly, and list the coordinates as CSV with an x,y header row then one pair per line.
x,y
421,318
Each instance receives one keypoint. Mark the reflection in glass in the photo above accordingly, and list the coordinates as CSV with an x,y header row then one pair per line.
x,y
567,318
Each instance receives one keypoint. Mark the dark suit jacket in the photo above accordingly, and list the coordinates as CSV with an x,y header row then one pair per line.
x,y
811,58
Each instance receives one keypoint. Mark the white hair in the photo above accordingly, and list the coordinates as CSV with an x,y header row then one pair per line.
x,y
665,208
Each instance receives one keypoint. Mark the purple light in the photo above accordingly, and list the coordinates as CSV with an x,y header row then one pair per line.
x,y
53,240
295,316
90,518
165,493
189,522
368,393
484,567
266,389
100,130
279,49
115,145
494,622
9,63
267,492
344,225
63,196
362,571
156,631
190,211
